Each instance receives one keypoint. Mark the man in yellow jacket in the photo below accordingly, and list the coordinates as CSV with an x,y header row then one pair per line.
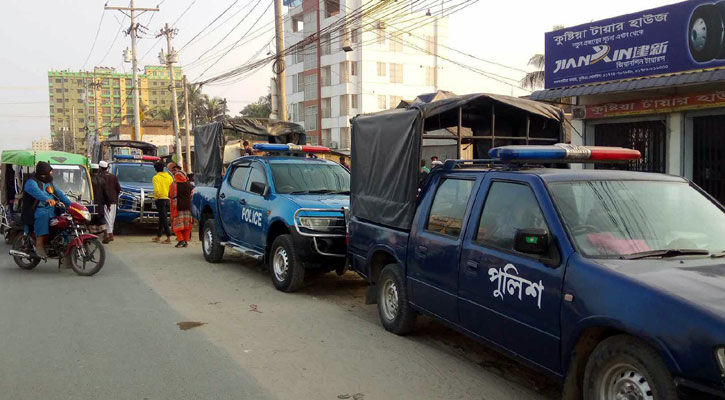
x,y
162,182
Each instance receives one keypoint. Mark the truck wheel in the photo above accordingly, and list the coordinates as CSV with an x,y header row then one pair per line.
x,y
705,33
622,367
396,315
285,266
210,243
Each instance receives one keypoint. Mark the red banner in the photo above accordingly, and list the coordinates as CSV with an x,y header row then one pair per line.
x,y
655,106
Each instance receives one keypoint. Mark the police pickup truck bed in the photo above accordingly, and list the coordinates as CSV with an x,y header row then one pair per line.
x,y
285,211
610,280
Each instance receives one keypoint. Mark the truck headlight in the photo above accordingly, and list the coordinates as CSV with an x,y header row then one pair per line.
x,y
720,356
319,223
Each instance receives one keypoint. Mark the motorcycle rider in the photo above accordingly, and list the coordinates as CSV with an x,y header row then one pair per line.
x,y
39,204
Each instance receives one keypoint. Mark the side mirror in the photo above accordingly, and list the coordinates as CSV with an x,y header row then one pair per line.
x,y
258,188
532,241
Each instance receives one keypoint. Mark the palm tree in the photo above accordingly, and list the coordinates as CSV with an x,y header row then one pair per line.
x,y
216,108
536,79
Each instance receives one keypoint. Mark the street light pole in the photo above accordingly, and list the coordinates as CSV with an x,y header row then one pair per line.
x,y
279,64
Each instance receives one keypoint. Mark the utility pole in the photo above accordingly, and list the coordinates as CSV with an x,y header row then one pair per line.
x,y
279,65
73,127
169,59
133,31
187,125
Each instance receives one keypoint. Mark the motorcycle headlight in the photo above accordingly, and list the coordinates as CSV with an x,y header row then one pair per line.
x,y
86,214
720,356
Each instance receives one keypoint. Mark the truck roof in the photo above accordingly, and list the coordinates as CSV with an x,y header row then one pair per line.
x,y
571,175
285,160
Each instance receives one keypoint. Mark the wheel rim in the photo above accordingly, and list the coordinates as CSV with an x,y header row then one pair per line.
x,y
389,299
624,382
280,264
88,256
208,239
698,34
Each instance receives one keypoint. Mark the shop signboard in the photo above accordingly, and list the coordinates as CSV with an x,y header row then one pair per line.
x,y
679,37
651,106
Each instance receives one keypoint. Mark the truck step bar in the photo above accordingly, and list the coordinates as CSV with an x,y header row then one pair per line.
x,y
244,250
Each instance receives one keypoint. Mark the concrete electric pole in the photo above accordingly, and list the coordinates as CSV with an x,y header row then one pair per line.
x,y
187,125
169,59
279,65
133,30
73,128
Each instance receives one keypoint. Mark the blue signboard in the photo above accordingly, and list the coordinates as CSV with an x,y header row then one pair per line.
x,y
679,37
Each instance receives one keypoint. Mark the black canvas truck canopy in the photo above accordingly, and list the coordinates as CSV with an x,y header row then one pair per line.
x,y
386,146
209,141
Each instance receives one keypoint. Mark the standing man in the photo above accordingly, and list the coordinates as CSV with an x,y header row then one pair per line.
x,y
247,151
112,189
162,182
98,223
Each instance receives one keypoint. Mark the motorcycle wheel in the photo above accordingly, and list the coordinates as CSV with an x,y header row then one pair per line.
x,y
23,244
88,259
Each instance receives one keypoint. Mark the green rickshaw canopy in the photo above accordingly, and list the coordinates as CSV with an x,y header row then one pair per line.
x,y
29,158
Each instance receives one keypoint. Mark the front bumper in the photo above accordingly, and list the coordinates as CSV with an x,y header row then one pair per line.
x,y
307,250
688,389
324,242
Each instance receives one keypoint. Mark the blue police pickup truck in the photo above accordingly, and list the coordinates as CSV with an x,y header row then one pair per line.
x,y
285,211
613,281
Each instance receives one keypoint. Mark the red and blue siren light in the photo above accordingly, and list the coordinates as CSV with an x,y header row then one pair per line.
x,y
564,153
137,157
290,148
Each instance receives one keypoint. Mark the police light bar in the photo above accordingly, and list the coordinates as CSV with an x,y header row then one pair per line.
x,y
137,157
290,148
563,153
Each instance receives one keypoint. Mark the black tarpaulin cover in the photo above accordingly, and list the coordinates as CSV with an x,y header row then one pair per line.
x,y
385,166
209,141
386,149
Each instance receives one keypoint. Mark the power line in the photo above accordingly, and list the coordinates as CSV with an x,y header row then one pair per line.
x,y
95,39
209,24
120,28
172,25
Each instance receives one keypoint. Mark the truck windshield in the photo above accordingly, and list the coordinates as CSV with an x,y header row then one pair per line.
x,y
137,173
625,218
73,181
309,178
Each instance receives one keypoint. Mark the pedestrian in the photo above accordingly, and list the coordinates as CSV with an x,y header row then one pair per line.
x,y
181,221
112,191
436,164
343,163
423,174
433,159
162,182
247,150
98,225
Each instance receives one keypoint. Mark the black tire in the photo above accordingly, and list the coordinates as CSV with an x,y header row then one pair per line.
x,y
289,274
21,244
721,14
93,260
395,312
705,32
211,245
623,360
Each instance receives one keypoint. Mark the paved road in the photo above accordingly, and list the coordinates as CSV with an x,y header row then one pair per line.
x,y
114,336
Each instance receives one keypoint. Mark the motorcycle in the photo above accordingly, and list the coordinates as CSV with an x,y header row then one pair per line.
x,y
67,239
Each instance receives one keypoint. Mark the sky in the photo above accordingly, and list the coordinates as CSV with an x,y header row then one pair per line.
x,y
45,35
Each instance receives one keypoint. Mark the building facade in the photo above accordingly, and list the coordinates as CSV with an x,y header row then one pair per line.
x,y
41,145
357,68
158,133
83,101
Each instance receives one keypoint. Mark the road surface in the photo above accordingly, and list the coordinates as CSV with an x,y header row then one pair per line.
x,y
117,336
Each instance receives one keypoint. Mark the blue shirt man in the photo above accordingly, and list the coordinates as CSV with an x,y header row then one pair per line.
x,y
40,187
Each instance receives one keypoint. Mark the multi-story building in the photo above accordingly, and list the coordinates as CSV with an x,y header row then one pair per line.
x,y
359,67
80,100
41,145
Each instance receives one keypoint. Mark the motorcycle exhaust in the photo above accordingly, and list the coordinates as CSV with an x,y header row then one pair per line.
x,y
16,253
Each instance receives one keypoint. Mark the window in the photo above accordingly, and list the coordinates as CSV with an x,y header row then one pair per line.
x,y
299,56
509,207
381,68
430,76
310,177
345,138
325,44
311,118
326,76
381,33
449,207
311,87
80,101
395,100
381,102
326,107
353,68
430,45
292,109
355,35
326,137
238,179
66,90
129,83
58,80
59,100
354,101
300,83
154,102
344,73
344,109
396,73
106,120
80,91
396,43
310,57
116,101
81,120
256,174
105,92
332,7
59,90
297,23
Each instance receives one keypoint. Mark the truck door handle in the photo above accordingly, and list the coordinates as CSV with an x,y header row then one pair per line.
x,y
422,249
472,266
222,196
243,202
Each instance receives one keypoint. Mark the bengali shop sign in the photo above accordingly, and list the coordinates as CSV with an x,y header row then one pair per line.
x,y
653,106
679,37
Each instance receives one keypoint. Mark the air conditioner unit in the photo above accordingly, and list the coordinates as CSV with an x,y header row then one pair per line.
x,y
578,112
334,145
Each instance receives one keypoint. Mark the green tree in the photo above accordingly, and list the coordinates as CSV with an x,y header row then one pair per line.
x,y
536,79
259,109
215,107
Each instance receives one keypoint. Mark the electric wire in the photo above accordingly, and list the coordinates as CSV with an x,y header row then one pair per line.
x,y
95,39
209,24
